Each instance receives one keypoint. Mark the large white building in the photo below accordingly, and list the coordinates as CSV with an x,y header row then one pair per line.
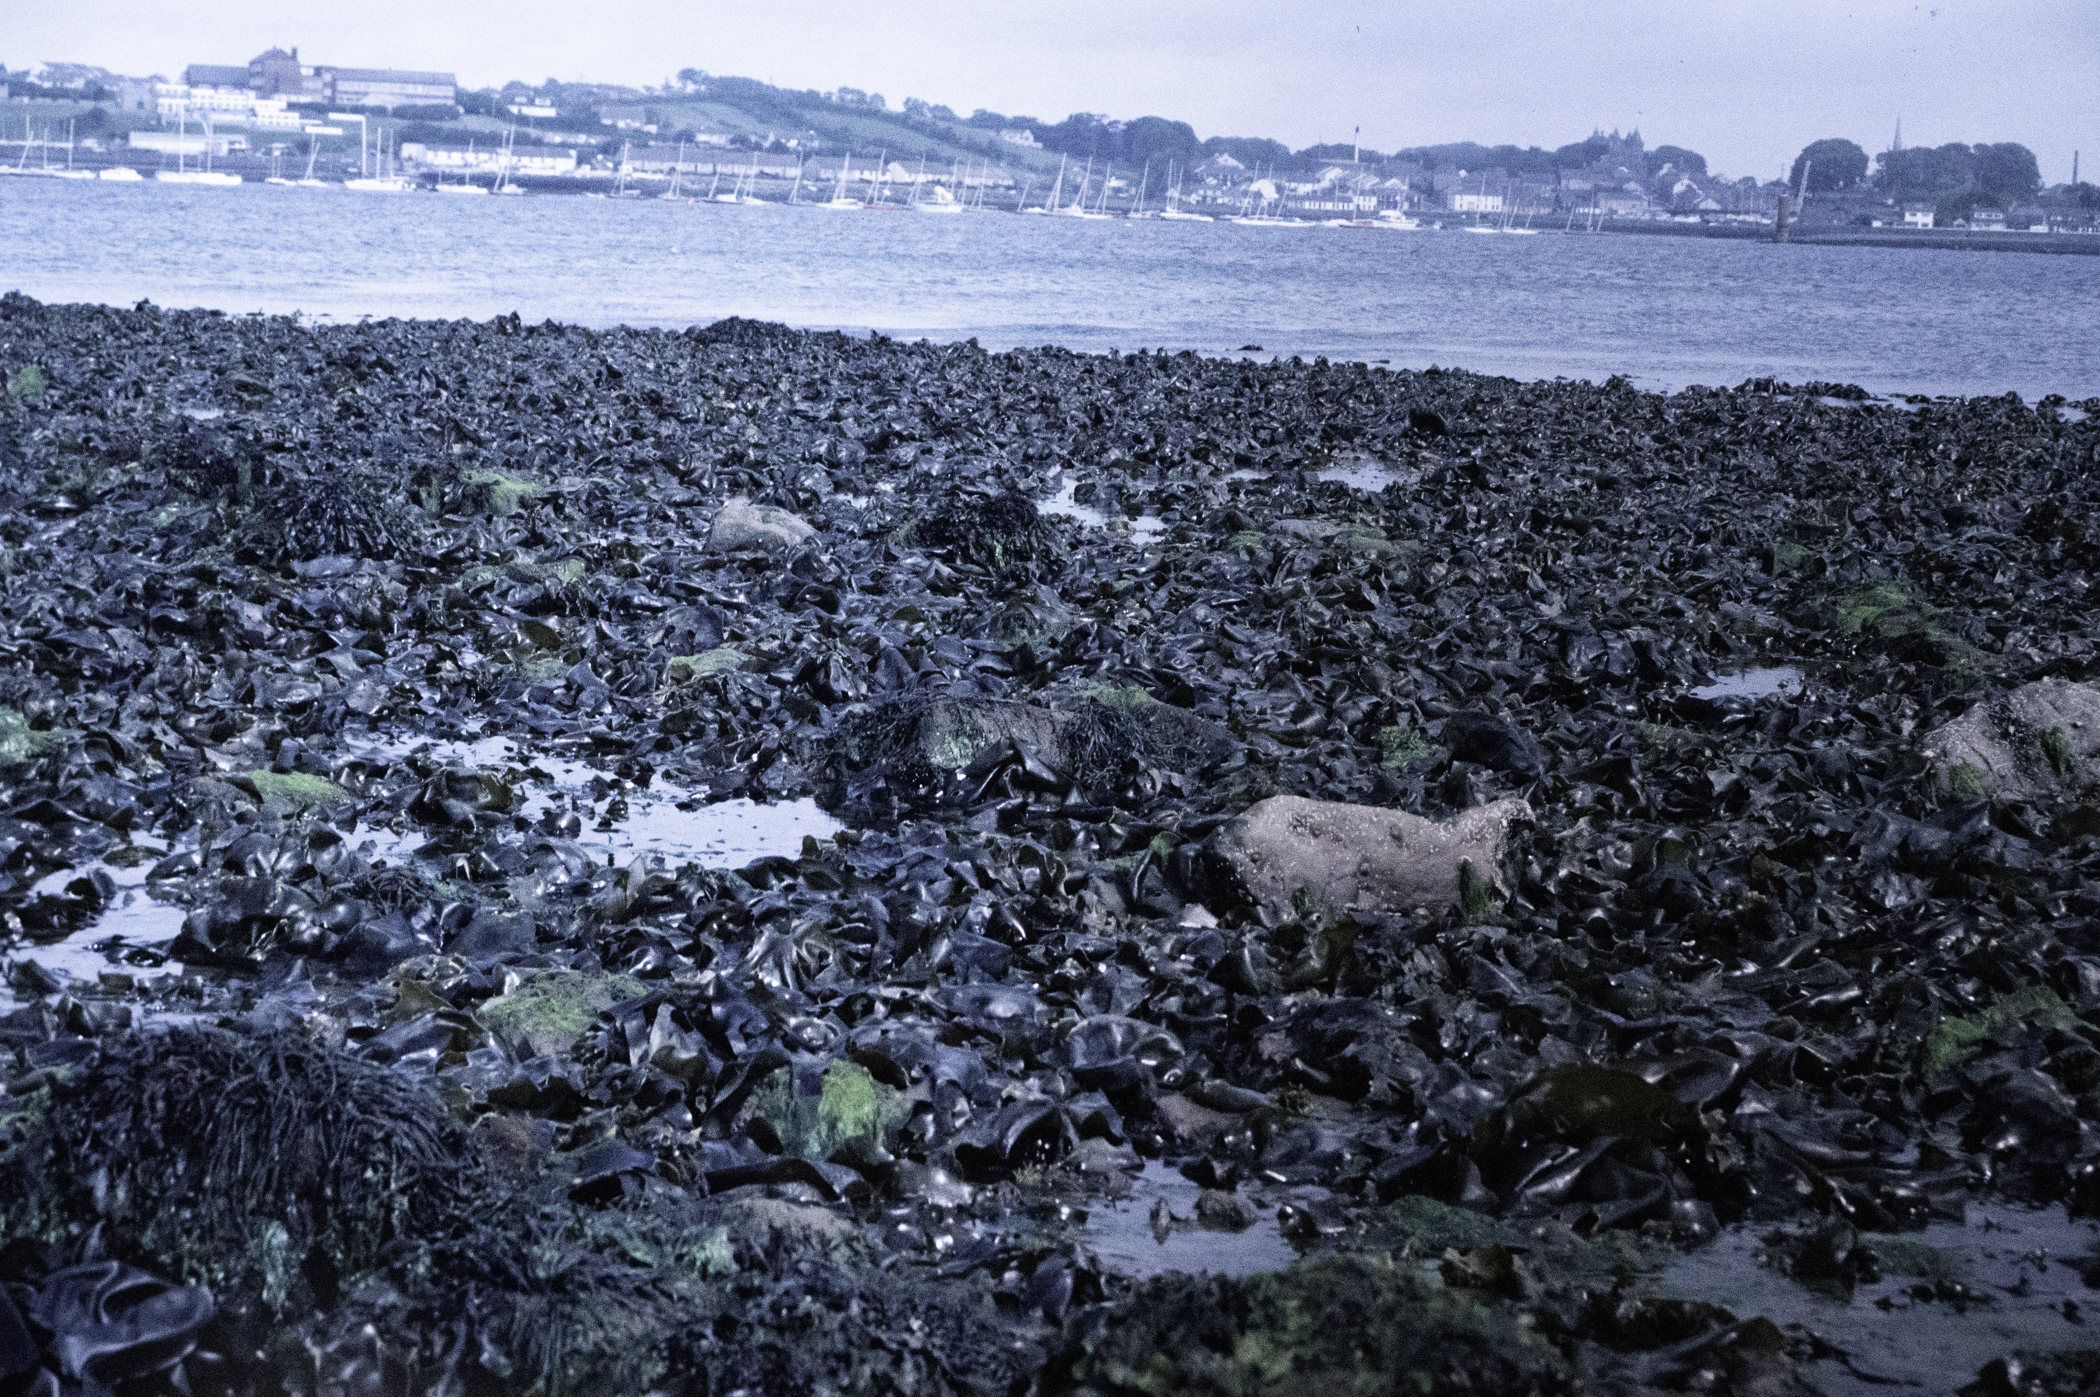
x,y
234,106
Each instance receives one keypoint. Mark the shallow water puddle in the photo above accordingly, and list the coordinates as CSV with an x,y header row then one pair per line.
x,y
1366,474
1121,1235
1143,529
1753,683
2015,1260
677,823
131,918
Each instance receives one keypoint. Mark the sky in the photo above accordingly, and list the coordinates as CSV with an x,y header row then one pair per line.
x,y
1745,84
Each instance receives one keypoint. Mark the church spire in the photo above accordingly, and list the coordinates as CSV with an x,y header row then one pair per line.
x,y
1897,143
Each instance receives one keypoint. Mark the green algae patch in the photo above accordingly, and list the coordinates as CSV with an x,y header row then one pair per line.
x,y
499,492
1954,1039
1907,1256
1422,1226
21,743
1789,556
1966,782
1480,901
2056,750
1400,746
1887,619
550,1013
1343,1324
1123,698
295,789
683,669
850,1105
27,384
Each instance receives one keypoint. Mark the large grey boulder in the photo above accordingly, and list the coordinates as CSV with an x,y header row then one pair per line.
x,y
2037,743
1363,856
742,524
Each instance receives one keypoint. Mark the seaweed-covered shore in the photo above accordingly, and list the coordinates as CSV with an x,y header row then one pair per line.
x,y
1517,848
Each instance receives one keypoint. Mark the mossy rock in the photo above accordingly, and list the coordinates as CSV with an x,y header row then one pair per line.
x,y
1426,1226
550,1013
295,790
683,669
1889,620
1907,1256
816,1118
21,743
1954,1039
499,492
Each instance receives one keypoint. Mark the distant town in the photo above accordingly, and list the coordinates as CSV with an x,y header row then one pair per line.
x,y
282,116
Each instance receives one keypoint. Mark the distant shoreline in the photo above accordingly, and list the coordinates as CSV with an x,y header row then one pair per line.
x,y
1941,239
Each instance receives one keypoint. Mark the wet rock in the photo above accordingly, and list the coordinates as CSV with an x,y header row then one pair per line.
x,y
1360,855
739,523
2039,742
1221,1211
1494,743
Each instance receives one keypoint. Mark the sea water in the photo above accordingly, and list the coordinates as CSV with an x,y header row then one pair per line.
x,y
1662,312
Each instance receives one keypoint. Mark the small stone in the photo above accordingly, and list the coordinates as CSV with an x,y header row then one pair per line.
x,y
742,524
1223,1212
1362,856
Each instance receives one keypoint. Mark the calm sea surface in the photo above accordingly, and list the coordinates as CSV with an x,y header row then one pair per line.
x,y
1665,312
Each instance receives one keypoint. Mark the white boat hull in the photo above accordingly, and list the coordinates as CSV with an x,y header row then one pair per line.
x,y
216,179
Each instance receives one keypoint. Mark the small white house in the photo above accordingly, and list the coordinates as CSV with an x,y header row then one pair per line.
x,y
1476,203
1917,215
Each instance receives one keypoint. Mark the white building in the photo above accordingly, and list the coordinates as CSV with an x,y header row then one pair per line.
x,y
186,143
1917,215
530,160
1476,203
233,106
1019,136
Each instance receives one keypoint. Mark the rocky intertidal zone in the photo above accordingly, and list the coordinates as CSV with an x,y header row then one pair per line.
x,y
538,860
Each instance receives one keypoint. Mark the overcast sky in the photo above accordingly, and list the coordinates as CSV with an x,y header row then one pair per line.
x,y
1745,84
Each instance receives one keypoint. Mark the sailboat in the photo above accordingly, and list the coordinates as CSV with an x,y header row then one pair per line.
x,y
503,180
1262,218
1078,207
677,170
206,176
620,189
838,199
465,185
1137,208
69,172
307,181
939,201
1043,209
746,191
881,177
383,182
1174,212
